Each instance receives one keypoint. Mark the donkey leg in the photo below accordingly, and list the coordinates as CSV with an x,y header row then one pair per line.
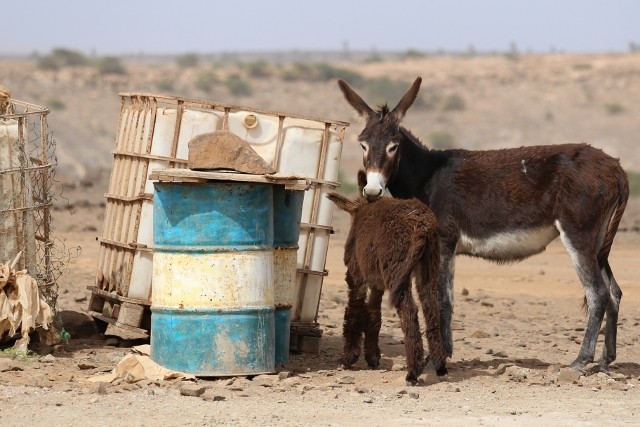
x,y
372,332
414,351
428,295
596,292
355,319
611,328
445,294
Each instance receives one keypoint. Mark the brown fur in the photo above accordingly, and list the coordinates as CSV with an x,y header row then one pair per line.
x,y
505,205
387,241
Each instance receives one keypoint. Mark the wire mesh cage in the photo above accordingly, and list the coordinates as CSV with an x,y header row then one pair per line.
x,y
27,161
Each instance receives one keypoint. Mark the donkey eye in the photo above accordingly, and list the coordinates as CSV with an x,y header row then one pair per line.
x,y
365,146
392,148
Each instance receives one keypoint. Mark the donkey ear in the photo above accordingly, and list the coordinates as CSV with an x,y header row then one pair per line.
x,y
362,180
354,99
407,100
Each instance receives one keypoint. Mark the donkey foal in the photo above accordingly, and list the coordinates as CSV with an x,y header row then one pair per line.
x,y
388,240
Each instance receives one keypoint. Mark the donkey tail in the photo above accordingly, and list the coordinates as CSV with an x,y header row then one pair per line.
x,y
614,222
342,202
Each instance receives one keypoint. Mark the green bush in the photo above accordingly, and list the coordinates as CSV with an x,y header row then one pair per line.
x,y
258,69
613,108
429,99
321,72
165,85
373,58
110,65
238,86
59,58
55,104
206,80
442,140
384,90
454,102
582,66
413,54
326,72
188,60
347,186
634,183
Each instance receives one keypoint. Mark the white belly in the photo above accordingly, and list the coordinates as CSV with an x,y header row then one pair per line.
x,y
508,245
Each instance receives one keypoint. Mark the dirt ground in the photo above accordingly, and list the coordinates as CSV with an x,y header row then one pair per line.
x,y
516,328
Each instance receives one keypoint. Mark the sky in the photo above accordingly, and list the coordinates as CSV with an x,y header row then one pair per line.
x,y
198,26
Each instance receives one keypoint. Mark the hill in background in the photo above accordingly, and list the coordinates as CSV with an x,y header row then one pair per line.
x,y
466,101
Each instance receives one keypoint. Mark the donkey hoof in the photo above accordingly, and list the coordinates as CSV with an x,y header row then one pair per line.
x,y
411,380
578,366
373,363
442,371
348,360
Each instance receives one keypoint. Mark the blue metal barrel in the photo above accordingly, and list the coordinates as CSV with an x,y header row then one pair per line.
x,y
287,213
212,311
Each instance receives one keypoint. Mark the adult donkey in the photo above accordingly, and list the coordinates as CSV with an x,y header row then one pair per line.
x,y
505,205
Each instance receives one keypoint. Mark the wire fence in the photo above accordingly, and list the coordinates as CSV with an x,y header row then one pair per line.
x,y
27,162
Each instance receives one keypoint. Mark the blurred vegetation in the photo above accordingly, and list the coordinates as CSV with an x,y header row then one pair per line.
x,y
27,357
321,72
60,57
454,102
165,85
428,98
348,186
206,80
110,65
55,103
413,54
634,183
442,140
384,90
582,66
258,69
188,60
613,108
238,86
373,58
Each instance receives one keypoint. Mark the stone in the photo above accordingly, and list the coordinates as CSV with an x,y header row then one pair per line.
x,y
502,368
398,366
346,380
49,358
100,387
194,390
284,375
212,396
450,388
7,365
83,366
554,369
517,373
292,381
568,376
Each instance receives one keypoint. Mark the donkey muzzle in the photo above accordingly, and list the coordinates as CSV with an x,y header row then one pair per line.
x,y
375,186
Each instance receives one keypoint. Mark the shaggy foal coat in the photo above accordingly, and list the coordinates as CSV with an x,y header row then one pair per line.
x,y
388,240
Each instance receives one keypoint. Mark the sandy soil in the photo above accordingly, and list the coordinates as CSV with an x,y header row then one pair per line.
x,y
516,329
